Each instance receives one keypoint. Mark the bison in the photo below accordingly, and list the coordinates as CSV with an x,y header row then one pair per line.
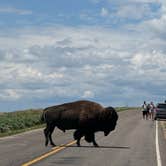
x,y
86,117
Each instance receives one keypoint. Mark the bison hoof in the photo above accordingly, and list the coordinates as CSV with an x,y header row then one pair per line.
x,y
96,145
78,145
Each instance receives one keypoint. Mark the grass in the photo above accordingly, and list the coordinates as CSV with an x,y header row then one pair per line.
x,y
20,121
164,124
119,109
13,132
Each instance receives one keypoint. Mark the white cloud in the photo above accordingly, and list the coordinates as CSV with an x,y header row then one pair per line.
x,y
134,11
158,25
83,62
9,95
88,94
150,62
104,12
122,64
135,1
15,11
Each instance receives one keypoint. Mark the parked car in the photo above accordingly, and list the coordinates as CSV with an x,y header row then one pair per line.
x,y
160,111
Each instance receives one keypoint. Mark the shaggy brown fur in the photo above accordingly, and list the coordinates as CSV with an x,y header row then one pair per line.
x,y
86,117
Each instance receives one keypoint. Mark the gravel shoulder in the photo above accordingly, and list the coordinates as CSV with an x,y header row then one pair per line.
x,y
163,126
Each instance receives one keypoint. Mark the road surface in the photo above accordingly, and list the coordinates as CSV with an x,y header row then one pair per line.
x,y
131,144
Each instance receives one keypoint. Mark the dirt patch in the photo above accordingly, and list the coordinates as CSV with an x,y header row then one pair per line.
x,y
163,125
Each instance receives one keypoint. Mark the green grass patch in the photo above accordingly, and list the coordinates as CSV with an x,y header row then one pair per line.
x,y
19,121
13,132
126,108
164,124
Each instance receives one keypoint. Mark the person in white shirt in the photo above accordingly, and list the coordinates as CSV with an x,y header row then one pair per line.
x,y
144,110
151,110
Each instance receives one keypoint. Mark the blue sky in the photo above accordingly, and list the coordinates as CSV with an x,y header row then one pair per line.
x,y
52,52
76,12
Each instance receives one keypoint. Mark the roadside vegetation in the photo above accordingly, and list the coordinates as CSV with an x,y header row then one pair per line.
x,y
21,121
164,122
126,108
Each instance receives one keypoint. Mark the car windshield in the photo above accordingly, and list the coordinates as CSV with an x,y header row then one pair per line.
x,y
161,106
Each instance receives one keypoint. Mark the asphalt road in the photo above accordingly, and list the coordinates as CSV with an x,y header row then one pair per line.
x,y
131,144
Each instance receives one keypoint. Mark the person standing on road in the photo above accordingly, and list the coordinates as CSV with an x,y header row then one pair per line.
x,y
144,110
152,110
148,112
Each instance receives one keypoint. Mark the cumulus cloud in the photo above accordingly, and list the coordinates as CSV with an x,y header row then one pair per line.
x,y
9,94
60,64
120,12
157,26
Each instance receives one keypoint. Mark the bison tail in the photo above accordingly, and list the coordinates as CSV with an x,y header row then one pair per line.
x,y
43,116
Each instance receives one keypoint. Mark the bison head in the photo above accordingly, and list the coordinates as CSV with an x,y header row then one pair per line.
x,y
110,120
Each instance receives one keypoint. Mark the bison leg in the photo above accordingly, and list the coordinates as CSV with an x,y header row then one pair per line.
x,y
95,144
50,134
46,132
90,137
94,141
77,136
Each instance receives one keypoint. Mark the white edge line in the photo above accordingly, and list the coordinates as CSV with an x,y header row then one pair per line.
x,y
157,147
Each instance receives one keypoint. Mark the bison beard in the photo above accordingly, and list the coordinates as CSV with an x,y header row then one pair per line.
x,y
85,116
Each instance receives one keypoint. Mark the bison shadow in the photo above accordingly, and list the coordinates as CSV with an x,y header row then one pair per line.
x,y
102,147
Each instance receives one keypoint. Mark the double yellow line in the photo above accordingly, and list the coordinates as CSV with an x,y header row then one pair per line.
x,y
54,150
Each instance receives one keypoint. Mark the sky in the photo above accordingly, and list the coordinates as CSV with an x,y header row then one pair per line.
x,y
110,52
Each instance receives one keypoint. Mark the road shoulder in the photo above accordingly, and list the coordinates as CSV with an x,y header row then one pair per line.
x,y
162,140
163,126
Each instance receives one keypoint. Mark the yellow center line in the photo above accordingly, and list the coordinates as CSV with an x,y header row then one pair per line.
x,y
54,150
